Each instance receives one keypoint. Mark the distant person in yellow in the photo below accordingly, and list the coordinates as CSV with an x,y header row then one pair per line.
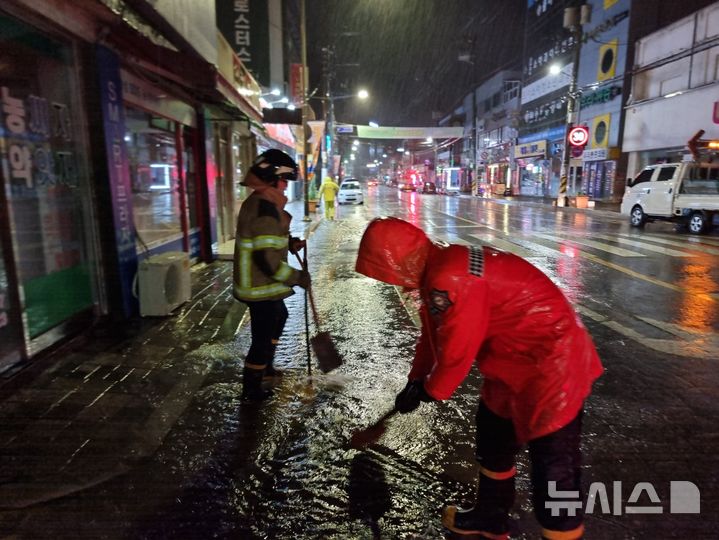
x,y
328,190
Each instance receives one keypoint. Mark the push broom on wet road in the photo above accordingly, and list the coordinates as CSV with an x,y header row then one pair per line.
x,y
365,437
328,358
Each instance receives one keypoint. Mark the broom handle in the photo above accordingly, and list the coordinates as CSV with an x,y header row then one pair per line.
x,y
385,417
307,325
308,292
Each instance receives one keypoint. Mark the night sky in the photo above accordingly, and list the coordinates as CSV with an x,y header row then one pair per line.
x,y
408,53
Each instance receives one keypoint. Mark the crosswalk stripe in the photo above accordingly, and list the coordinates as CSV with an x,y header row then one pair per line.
x,y
594,258
705,296
702,239
644,245
590,243
504,245
693,247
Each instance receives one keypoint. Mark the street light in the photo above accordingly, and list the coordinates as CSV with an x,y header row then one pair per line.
x,y
574,18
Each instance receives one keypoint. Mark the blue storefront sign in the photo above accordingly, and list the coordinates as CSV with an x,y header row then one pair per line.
x,y
118,172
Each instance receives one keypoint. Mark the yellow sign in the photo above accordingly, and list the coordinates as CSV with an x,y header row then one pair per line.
x,y
607,60
533,149
600,131
609,3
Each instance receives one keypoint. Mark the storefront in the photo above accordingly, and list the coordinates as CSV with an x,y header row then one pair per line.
x,y
534,168
49,274
599,174
161,138
498,169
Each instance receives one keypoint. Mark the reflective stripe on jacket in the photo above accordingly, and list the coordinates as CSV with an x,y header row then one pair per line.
x,y
260,268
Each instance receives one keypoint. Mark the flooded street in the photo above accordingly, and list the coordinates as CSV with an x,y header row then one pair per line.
x,y
284,469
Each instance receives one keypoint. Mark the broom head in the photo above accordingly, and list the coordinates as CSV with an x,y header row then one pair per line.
x,y
365,437
328,358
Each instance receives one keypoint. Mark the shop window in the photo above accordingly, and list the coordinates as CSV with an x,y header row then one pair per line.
x,y
154,177
511,91
45,177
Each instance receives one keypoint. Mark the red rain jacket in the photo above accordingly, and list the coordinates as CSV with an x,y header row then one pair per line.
x,y
494,308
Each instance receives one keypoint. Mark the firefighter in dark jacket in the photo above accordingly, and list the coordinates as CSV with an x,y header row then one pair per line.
x,y
493,309
261,276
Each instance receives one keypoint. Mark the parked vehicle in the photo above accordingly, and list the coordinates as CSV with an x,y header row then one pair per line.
x,y
410,181
350,192
686,193
429,187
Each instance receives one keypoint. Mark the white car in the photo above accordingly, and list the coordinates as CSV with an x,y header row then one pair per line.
x,y
350,192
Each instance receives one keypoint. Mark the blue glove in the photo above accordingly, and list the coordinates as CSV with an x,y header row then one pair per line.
x,y
410,398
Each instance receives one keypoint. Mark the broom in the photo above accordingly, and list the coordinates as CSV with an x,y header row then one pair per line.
x,y
364,437
328,358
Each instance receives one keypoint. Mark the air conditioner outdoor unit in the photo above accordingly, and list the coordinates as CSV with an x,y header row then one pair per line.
x,y
164,282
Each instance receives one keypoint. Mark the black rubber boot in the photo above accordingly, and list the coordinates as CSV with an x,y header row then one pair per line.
x,y
475,522
490,516
252,385
271,372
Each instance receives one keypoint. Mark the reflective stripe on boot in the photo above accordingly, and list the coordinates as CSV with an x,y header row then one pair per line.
x,y
574,534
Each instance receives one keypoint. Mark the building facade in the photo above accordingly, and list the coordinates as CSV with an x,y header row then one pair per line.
x,y
675,90
124,133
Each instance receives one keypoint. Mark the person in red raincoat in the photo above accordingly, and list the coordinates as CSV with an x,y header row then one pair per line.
x,y
481,305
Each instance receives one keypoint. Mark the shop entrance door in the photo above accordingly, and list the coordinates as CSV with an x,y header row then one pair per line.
x,y
225,187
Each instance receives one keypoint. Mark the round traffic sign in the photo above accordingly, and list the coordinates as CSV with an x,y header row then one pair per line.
x,y
578,136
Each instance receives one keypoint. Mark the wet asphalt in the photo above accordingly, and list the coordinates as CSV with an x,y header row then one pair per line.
x,y
144,435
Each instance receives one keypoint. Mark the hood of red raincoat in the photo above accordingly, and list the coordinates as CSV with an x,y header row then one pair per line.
x,y
393,251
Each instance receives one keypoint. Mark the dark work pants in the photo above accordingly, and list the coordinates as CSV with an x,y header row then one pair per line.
x,y
555,457
267,321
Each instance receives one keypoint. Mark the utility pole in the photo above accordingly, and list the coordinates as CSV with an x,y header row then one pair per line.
x,y
328,108
305,111
475,180
574,18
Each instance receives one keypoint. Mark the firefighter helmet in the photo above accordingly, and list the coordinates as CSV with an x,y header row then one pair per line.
x,y
273,165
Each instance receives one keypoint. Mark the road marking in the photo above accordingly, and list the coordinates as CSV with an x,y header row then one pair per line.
x,y
589,256
691,343
644,245
590,243
643,277
691,238
658,240
502,244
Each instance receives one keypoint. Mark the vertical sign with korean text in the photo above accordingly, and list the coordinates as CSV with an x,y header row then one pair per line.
x,y
297,84
245,26
118,173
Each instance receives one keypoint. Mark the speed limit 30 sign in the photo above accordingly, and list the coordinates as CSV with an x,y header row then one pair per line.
x,y
578,136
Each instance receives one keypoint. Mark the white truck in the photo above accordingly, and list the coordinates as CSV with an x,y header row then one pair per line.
x,y
686,193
